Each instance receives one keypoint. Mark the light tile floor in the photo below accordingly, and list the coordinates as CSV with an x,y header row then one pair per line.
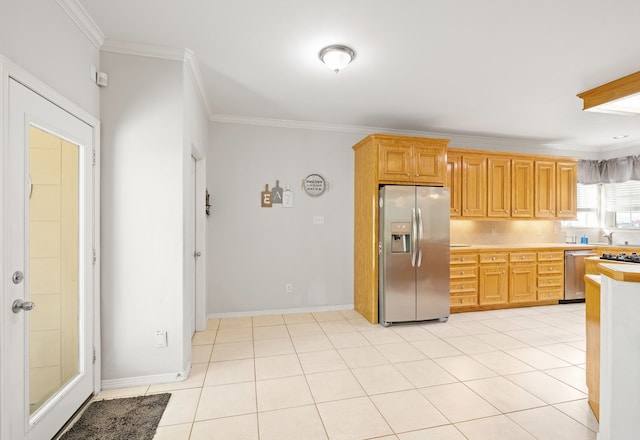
x,y
506,374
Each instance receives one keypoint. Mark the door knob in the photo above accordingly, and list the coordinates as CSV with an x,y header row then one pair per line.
x,y
22,305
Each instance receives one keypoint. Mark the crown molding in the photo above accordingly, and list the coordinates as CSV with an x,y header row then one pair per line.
x,y
83,20
193,67
456,140
142,50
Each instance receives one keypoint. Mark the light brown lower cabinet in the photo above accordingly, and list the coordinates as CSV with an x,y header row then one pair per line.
x,y
522,276
493,278
484,280
463,279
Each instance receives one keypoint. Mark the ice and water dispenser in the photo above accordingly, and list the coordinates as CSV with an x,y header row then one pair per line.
x,y
400,237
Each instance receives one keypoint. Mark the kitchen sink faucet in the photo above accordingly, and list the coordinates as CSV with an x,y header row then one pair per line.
x,y
609,237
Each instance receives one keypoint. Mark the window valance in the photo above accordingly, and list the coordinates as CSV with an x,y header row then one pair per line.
x,y
618,170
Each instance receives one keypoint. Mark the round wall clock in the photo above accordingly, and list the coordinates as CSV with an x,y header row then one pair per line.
x,y
314,185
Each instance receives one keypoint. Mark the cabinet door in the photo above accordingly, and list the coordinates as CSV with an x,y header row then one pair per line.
x,y
454,182
493,284
498,187
474,176
429,164
522,188
522,283
545,189
567,191
395,161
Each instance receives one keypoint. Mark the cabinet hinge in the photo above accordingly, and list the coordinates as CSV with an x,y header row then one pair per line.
x,y
93,160
94,258
94,355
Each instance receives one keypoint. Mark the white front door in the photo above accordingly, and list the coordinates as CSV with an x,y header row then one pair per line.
x,y
50,244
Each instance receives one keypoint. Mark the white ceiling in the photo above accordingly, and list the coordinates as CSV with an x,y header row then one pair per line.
x,y
490,68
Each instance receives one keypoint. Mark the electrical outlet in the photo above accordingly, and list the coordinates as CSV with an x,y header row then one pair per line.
x,y
288,288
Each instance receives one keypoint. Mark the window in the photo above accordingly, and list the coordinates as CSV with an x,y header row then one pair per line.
x,y
588,200
622,201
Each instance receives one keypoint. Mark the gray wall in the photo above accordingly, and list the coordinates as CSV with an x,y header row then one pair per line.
x,y
253,252
142,217
42,39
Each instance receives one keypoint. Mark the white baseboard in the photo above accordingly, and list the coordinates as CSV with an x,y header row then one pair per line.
x,y
127,382
280,311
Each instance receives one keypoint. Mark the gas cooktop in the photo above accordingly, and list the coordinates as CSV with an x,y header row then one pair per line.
x,y
625,258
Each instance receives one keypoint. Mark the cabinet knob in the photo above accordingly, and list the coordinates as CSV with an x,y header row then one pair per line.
x,y
493,258
417,175
522,257
462,287
462,273
408,174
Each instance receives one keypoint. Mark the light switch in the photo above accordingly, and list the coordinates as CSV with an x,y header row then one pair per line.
x,y
161,338
318,219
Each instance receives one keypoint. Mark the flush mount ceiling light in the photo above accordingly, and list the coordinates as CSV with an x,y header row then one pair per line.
x,y
336,57
621,96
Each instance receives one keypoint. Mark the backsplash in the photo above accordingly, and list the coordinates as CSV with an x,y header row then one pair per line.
x,y
506,232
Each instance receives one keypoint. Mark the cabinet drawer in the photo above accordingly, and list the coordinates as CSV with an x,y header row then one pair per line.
x,y
463,259
550,269
517,257
553,281
497,257
465,300
456,273
551,256
550,294
463,287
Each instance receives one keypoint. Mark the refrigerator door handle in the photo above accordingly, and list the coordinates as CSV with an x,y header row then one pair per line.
x,y
414,237
419,240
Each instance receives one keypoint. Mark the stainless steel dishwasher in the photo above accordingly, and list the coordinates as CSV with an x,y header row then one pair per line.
x,y
574,275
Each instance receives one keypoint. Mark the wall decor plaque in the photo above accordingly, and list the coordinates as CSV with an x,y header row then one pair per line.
x,y
314,185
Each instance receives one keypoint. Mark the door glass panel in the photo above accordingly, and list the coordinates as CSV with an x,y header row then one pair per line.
x,y
53,265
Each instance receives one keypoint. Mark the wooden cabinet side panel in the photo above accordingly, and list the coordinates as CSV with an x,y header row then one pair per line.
x,y
365,258
498,187
545,189
592,299
522,188
454,182
566,189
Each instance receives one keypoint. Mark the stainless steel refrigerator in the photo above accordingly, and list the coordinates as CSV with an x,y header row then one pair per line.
x,y
414,254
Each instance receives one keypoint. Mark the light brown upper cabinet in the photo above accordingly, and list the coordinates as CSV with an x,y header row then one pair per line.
x,y
522,188
498,187
454,182
488,185
566,204
545,189
474,186
412,160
